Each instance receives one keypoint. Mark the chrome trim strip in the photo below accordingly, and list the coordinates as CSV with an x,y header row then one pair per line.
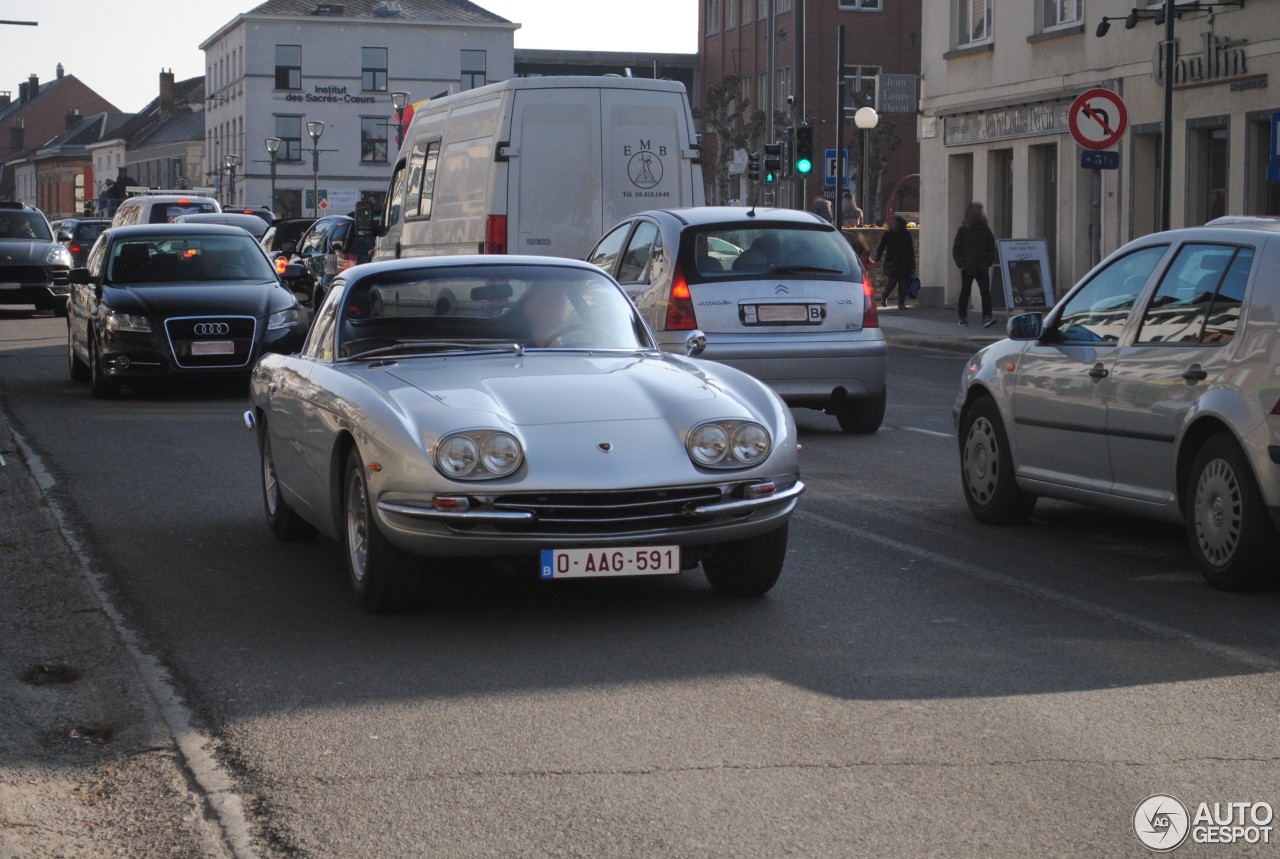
x,y
472,517
747,504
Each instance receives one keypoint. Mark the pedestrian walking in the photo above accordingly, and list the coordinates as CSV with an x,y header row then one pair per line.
x,y
859,245
822,208
899,254
850,214
974,252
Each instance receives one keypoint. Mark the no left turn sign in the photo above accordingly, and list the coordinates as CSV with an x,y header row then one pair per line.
x,y
1098,119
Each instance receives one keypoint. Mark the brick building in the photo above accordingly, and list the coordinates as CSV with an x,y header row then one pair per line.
x,y
882,37
41,112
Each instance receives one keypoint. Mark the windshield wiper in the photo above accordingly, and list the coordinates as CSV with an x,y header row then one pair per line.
x,y
434,345
795,269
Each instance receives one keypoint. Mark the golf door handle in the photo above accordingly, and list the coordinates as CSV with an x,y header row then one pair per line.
x,y
1195,373
1099,372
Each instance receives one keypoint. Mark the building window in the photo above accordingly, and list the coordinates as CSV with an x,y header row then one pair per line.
x,y
473,70
373,69
731,14
289,130
780,6
713,16
1062,13
860,87
373,139
973,22
288,67
763,11
860,5
782,84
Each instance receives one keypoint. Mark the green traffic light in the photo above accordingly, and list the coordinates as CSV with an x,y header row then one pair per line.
x,y
768,177
804,165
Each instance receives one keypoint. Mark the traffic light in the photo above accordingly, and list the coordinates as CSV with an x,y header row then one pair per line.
x,y
788,166
753,166
804,150
772,161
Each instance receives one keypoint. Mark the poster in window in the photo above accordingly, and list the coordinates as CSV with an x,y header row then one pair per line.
x,y
1024,264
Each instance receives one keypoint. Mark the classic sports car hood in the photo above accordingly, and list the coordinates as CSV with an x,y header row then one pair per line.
x,y
23,251
196,299
530,390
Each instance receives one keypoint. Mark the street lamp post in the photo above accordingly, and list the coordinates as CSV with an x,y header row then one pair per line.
x,y
231,162
399,101
866,119
273,148
315,128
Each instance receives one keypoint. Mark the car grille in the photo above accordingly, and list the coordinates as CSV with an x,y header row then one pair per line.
x,y
34,274
608,512
240,331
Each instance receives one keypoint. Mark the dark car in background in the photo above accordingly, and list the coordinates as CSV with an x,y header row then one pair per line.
x,y
268,217
330,247
174,300
282,237
77,235
33,266
251,224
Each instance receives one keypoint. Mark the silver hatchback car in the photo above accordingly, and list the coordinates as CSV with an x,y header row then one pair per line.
x,y
776,293
1153,387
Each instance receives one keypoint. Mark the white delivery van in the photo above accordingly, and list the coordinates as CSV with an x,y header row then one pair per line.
x,y
538,166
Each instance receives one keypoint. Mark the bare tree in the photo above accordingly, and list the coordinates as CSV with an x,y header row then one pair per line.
x,y
726,113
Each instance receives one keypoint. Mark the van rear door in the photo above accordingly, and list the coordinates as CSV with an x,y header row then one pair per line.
x,y
648,163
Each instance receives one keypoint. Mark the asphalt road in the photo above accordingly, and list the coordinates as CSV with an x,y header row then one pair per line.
x,y
916,684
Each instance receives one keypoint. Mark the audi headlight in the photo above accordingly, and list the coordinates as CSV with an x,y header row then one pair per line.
x,y
478,455
58,255
127,322
728,444
286,318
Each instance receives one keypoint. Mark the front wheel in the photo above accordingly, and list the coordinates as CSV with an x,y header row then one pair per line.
x,y
76,369
986,468
747,568
100,386
1228,528
862,417
283,520
383,577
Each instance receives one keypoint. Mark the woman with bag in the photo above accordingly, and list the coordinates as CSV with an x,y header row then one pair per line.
x,y
899,253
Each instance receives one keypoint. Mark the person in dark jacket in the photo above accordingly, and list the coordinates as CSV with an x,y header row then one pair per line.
x,y
899,254
974,252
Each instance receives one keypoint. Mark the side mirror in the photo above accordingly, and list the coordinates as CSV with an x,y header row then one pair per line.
x,y
694,343
1026,326
288,247
364,218
293,271
63,236
79,276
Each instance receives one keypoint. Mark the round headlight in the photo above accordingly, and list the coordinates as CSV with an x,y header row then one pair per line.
x,y
708,444
456,456
500,454
750,443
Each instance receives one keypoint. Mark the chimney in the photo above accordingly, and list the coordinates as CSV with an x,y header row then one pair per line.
x,y
5,97
61,71
33,87
73,116
166,91
22,93
16,132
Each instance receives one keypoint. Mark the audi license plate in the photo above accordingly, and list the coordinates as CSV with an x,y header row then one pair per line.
x,y
10,286
213,347
595,563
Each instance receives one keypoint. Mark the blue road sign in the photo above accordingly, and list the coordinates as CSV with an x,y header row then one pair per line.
x,y
1275,137
1099,159
1273,171
829,159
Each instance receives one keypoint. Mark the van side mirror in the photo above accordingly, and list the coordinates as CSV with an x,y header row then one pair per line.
x,y
338,245
364,218
1026,326
293,271
79,276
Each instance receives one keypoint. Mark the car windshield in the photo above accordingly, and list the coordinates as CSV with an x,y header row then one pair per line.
x,y
24,225
87,231
164,213
187,259
432,309
740,251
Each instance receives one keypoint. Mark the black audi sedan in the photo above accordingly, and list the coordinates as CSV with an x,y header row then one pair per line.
x,y
164,301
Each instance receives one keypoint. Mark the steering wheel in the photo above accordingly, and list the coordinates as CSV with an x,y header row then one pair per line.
x,y
559,333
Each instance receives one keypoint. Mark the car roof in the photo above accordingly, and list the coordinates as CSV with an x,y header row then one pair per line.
x,y
151,230
372,268
702,215
168,198
218,217
1222,229
1247,222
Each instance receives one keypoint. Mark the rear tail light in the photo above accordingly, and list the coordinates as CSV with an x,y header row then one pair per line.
x,y
495,234
1276,409
74,248
346,261
870,316
680,308
281,264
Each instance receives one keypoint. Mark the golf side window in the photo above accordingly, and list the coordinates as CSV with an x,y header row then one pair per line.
x,y
1097,312
1199,297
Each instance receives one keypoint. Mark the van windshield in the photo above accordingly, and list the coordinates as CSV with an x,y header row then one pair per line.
x,y
732,252
164,213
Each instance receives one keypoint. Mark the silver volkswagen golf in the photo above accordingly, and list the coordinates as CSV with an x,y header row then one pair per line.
x,y
1153,387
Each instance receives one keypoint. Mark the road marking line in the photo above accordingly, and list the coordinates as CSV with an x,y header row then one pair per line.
x,y
926,432
1150,627
196,747
2,462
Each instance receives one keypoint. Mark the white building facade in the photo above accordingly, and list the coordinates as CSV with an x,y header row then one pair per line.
x,y
272,70
998,79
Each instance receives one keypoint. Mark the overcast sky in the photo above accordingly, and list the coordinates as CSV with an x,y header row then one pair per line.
x,y
120,53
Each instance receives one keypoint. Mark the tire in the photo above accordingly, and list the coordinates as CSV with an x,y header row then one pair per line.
x,y
384,578
863,417
76,369
283,521
59,308
1228,528
99,385
986,468
747,568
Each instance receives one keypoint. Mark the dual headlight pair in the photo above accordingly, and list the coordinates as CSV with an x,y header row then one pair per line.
x,y
487,454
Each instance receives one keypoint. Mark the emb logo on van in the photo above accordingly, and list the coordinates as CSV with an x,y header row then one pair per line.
x,y
644,168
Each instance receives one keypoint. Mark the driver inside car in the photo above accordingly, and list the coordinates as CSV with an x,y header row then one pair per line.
x,y
547,310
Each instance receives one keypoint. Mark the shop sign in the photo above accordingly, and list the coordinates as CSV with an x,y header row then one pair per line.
x,y
1031,120
1221,57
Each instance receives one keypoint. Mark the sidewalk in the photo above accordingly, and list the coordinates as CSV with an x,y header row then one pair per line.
x,y
935,328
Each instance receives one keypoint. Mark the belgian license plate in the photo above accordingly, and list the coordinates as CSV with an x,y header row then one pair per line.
x,y
596,563
783,312
10,286
213,347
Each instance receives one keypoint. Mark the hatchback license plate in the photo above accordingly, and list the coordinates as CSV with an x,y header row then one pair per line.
x,y
213,347
783,312
596,563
